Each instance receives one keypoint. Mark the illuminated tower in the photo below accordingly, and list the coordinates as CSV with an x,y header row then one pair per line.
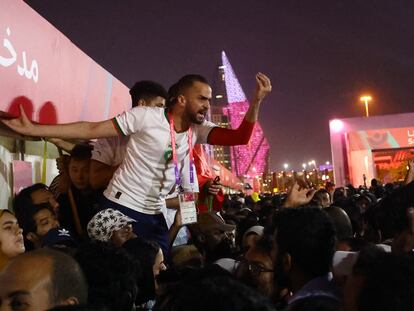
x,y
250,159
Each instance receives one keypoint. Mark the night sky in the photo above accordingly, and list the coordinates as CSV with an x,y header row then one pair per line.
x,y
320,55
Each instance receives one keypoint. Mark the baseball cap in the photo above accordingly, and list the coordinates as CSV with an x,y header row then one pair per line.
x,y
104,223
58,236
211,220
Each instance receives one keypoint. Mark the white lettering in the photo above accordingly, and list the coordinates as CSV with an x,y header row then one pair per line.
x,y
33,73
410,134
8,61
23,70
34,69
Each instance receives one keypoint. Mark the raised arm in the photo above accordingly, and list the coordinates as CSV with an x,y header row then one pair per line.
x,y
263,87
241,135
81,130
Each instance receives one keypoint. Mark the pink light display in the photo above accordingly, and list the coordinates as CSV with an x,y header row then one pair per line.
x,y
249,159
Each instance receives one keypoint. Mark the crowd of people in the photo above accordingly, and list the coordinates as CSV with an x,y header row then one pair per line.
x,y
109,232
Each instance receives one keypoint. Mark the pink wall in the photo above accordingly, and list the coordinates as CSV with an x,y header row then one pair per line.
x,y
354,139
43,70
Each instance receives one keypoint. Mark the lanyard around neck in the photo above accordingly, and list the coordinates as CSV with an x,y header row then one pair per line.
x,y
174,152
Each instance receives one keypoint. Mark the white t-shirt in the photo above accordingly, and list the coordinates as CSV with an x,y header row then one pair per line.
x,y
146,175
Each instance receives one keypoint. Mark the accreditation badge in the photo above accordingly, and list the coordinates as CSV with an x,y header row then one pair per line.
x,y
187,207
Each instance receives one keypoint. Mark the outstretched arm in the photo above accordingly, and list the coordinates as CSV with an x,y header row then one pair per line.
x,y
81,130
241,135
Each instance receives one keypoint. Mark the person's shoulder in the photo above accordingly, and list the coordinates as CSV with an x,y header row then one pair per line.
x,y
149,112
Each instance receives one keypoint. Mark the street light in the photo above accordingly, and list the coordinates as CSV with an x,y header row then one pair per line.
x,y
366,99
286,166
304,165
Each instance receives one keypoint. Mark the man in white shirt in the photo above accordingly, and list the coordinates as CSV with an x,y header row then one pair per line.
x,y
147,174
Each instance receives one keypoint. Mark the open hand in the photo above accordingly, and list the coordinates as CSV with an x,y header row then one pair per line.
x,y
298,196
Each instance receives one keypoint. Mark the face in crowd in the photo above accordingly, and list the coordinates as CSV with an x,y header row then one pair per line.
x,y
119,237
256,270
158,266
197,102
45,219
79,173
11,235
41,280
23,288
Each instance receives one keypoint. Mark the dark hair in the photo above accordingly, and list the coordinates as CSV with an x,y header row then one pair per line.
x,y
318,195
183,84
144,253
81,152
25,210
389,214
341,221
308,235
23,200
389,284
110,274
27,222
67,279
146,90
211,291
317,303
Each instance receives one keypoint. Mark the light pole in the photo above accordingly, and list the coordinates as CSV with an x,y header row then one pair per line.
x,y
366,99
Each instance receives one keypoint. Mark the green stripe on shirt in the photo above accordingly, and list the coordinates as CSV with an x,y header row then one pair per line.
x,y
117,127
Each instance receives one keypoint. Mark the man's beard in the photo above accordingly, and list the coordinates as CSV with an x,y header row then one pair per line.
x,y
192,117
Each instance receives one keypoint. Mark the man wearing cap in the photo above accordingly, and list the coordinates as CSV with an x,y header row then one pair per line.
x,y
213,237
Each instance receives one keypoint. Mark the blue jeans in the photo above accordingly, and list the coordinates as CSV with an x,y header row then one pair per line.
x,y
149,227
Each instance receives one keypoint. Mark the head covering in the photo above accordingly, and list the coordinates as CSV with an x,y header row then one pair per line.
x,y
255,197
210,221
228,264
104,223
255,230
58,236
